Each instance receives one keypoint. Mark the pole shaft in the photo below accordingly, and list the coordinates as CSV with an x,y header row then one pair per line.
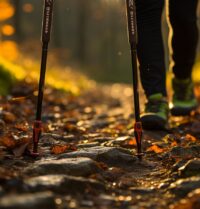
x,y
45,37
135,85
132,35
42,81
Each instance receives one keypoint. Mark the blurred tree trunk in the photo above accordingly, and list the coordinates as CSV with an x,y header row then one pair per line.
x,y
83,7
17,20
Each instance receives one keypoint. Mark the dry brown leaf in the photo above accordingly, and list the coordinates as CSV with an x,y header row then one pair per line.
x,y
11,143
189,137
9,117
73,128
59,149
21,127
8,141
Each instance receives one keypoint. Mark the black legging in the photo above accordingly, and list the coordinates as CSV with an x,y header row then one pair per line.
x,y
182,18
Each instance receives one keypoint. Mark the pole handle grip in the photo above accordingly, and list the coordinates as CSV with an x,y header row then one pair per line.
x,y
47,20
132,23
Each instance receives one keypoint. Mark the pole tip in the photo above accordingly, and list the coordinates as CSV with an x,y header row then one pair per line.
x,y
140,155
34,154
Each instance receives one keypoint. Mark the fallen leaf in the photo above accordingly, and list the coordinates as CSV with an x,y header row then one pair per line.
x,y
155,149
8,141
132,141
73,128
189,137
21,127
174,144
59,149
8,117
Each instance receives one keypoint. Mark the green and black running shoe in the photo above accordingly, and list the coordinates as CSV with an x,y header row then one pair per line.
x,y
155,116
183,101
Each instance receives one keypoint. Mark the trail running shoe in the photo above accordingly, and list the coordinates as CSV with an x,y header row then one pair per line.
x,y
183,101
156,111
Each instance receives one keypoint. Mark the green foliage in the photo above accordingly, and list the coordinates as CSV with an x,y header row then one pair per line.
x,y
6,80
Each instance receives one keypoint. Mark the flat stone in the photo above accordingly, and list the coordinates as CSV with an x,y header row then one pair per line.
x,y
99,123
93,144
2,126
71,166
178,165
62,184
184,152
142,191
1,191
192,201
112,156
191,168
195,127
43,200
183,186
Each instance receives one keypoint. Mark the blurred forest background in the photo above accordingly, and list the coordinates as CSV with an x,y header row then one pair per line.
x,y
89,36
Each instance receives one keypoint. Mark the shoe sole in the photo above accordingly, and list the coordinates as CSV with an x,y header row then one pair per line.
x,y
178,111
153,123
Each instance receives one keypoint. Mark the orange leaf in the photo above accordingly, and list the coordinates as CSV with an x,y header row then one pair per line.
x,y
132,141
8,142
173,144
59,149
189,137
21,127
155,149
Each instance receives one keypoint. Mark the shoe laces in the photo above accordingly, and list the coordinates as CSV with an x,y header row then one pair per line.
x,y
155,105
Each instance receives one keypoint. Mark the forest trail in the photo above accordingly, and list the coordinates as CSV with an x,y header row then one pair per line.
x,y
88,154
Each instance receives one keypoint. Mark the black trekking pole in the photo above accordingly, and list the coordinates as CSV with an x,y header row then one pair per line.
x,y
132,33
46,31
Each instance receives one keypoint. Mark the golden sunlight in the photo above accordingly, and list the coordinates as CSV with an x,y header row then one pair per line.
x,y
9,50
7,10
7,30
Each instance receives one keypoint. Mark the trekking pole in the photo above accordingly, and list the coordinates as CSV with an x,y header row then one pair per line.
x,y
46,31
132,34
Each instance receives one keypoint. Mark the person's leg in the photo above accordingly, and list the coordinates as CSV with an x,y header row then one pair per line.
x,y
150,46
184,36
183,43
152,66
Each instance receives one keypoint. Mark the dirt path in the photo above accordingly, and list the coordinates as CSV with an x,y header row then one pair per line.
x,y
87,155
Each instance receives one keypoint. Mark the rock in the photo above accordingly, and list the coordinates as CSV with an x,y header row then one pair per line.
x,y
15,184
183,186
86,145
184,152
8,117
191,168
142,191
102,139
72,166
1,191
112,156
56,137
99,123
62,184
178,165
28,201
192,201
195,127
2,126
105,200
